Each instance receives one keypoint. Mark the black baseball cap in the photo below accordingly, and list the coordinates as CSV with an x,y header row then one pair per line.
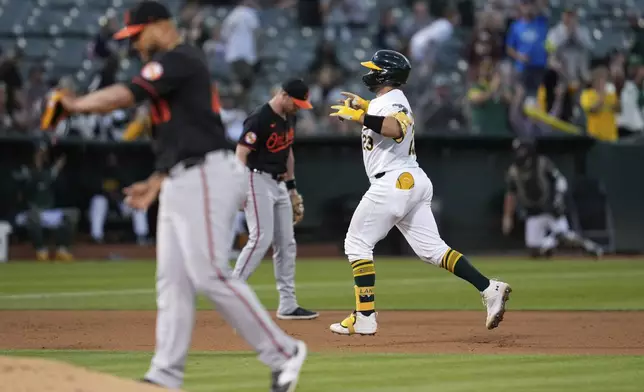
x,y
142,14
299,92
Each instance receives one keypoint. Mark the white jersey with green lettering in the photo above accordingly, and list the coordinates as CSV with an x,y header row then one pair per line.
x,y
383,154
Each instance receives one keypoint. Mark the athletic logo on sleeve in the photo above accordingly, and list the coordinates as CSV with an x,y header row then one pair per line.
x,y
250,138
401,108
152,71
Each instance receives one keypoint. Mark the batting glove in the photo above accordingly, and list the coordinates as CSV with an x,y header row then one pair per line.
x,y
356,101
345,112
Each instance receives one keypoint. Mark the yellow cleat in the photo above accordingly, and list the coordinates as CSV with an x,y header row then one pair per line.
x,y
42,255
64,256
356,324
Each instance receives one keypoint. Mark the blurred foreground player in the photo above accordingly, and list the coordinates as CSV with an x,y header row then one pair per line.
x,y
201,185
537,186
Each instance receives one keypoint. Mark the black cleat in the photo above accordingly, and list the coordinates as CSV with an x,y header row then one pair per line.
x,y
298,314
146,381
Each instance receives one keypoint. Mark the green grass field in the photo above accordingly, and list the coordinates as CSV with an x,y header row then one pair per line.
x,y
327,284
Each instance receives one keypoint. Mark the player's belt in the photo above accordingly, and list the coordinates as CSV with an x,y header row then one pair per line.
x,y
187,164
193,161
379,175
276,177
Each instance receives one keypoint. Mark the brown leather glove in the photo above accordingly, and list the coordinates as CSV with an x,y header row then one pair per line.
x,y
54,112
298,207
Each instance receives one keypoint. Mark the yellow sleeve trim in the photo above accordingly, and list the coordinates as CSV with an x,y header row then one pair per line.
x,y
404,122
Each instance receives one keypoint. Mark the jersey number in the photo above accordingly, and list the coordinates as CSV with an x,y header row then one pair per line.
x,y
367,143
412,145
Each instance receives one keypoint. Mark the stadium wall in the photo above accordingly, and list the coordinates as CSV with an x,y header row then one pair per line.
x,y
468,174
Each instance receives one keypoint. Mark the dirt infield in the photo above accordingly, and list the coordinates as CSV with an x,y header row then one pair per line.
x,y
399,331
21,374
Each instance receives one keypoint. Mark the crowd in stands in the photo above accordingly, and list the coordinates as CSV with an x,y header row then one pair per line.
x,y
492,67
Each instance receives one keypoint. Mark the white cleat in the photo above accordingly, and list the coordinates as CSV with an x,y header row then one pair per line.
x,y
285,379
494,298
356,324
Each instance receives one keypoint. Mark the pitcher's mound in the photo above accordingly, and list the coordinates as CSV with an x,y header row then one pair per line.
x,y
35,375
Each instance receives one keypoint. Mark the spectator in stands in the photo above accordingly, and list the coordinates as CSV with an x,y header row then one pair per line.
x,y
528,119
426,42
325,91
38,197
107,75
309,13
103,45
506,8
340,16
35,91
104,124
388,36
5,119
109,195
240,32
11,76
555,96
188,12
488,101
636,23
571,44
215,50
487,41
526,45
194,33
233,118
326,55
36,87
418,20
631,120
600,104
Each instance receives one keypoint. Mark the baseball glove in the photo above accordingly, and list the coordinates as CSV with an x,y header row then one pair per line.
x,y
54,112
298,207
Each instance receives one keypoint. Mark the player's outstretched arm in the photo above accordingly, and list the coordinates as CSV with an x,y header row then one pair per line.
x,y
105,100
393,126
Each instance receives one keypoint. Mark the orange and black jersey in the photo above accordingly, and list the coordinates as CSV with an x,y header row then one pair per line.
x,y
269,136
177,84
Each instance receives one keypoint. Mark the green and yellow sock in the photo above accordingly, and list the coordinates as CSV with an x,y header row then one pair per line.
x,y
459,265
364,276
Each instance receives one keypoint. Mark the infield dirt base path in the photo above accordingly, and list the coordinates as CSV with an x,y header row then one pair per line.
x,y
399,331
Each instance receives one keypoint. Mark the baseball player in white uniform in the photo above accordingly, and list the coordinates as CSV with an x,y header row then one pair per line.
x,y
400,195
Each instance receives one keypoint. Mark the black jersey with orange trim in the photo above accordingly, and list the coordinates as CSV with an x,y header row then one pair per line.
x,y
269,136
177,84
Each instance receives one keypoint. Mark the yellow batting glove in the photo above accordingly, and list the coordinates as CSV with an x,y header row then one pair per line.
x,y
345,112
356,101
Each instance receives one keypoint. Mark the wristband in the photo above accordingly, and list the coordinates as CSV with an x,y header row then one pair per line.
x,y
373,122
290,184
